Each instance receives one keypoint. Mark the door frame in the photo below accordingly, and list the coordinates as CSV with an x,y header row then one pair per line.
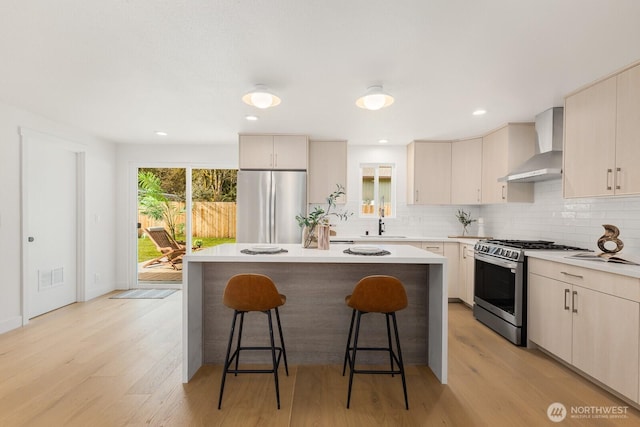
x,y
26,135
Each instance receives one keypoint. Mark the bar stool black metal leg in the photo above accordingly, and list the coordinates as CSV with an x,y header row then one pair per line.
x,y
226,359
386,315
346,352
284,351
352,361
400,361
273,357
237,353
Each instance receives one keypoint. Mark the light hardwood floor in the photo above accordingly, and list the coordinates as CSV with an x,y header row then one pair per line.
x,y
114,362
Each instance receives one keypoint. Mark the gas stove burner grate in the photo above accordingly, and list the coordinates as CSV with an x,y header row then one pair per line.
x,y
534,244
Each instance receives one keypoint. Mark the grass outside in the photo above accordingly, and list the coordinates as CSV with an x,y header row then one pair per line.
x,y
147,249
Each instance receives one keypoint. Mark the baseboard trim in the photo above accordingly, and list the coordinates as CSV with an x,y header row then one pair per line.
x,y
10,324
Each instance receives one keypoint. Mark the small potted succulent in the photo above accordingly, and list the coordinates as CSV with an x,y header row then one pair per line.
x,y
465,219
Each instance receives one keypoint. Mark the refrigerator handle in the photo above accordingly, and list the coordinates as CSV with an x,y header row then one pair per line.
x,y
272,210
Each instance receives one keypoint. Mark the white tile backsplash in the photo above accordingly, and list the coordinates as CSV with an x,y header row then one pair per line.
x,y
576,222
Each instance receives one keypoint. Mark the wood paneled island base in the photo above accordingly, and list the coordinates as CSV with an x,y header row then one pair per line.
x,y
315,319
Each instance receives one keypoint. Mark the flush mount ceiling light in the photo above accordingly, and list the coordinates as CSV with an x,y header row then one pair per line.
x,y
261,97
374,99
161,133
479,112
251,118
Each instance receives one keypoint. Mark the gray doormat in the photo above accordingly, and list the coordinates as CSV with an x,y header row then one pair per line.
x,y
144,293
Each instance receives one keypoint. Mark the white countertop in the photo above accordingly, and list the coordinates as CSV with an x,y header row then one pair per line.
x,y
609,267
400,254
395,239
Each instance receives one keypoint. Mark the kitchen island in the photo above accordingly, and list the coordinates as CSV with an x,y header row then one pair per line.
x,y
315,319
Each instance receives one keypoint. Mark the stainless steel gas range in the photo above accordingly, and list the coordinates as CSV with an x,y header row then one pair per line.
x,y
500,291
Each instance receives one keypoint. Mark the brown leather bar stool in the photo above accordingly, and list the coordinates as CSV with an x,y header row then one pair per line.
x,y
253,292
376,294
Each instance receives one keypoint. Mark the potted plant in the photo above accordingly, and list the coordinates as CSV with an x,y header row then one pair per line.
x,y
465,219
319,217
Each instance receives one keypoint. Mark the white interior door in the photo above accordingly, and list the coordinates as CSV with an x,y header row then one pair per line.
x,y
50,187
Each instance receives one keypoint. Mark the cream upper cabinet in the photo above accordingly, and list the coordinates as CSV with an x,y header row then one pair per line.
x,y
429,173
589,141
278,152
502,151
628,133
327,168
466,172
602,138
588,318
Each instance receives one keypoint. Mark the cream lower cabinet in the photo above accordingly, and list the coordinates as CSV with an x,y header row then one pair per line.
x,y
594,331
466,275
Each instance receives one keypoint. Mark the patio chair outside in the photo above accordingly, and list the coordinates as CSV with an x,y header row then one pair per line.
x,y
171,250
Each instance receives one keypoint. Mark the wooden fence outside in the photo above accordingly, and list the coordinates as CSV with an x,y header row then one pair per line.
x,y
208,219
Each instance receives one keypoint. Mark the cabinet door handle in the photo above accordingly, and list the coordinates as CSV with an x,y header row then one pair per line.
x,y
572,275
478,194
276,159
271,160
417,195
609,171
617,180
464,253
566,305
503,188
573,301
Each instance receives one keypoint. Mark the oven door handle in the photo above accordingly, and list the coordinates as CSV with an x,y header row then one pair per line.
x,y
497,261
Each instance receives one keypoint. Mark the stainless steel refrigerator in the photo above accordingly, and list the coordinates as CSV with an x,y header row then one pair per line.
x,y
267,205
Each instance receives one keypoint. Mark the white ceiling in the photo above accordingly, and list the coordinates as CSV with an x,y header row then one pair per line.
x,y
122,69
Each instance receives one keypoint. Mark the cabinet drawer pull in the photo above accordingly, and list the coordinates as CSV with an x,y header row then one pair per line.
x,y
617,178
609,171
432,247
573,301
566,305
503,197
572,275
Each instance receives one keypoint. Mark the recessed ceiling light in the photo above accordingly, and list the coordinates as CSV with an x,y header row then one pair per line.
x,y
383,141
374,99
251,118
479,112
261,97
161,133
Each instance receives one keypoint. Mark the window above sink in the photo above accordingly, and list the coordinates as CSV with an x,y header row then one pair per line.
x,y
377,190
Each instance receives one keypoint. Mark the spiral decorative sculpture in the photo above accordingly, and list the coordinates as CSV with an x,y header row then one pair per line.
x,y
611,233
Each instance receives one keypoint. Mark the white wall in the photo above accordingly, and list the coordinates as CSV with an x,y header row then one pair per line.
x,y
100,251
130,157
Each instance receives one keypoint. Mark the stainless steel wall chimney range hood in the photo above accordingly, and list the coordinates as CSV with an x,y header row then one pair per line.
x,y
546,164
